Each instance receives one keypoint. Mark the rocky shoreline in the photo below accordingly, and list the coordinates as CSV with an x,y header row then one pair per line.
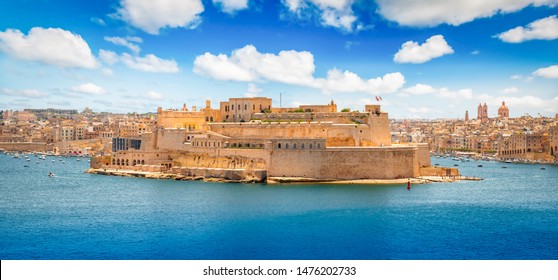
x,y
162,175
275,180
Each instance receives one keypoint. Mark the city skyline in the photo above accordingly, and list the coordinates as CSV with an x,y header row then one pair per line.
x,y
427,59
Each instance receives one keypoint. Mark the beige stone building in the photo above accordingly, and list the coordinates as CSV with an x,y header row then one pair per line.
x,y
241,109
530,146
183,118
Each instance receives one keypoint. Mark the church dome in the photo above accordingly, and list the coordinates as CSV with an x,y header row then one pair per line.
x,y
503,105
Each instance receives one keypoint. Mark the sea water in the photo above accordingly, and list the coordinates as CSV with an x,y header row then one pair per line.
x,y
511,214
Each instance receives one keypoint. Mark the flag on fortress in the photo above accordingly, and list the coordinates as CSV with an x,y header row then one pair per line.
x,y
378,98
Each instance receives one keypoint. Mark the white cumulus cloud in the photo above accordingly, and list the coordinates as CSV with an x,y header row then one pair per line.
x,y
31,93
231,6
419,89
152,95
519,104
453,12
89,88
550,72
253,90
347,81
53,46
125,43
412,52
338,14
150,16
542,29
444,92
150,63
108,57
290,67
248,65
510,90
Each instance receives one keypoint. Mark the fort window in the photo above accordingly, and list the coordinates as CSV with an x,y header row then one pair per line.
x,y
245,107
211,119
302,146
238,106
286,145
206,119
319,145
310,145
294,146
279,146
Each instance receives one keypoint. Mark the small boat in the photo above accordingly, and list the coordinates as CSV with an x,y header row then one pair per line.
x,y
50,174
504,167
543,168
436,164
480,165
26,166
78,159
456,164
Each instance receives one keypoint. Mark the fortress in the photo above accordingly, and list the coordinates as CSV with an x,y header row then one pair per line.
x,y
248,140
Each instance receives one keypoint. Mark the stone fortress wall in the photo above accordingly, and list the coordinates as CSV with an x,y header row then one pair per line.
x,y
318,145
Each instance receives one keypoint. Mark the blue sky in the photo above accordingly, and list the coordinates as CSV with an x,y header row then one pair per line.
x,y
426,59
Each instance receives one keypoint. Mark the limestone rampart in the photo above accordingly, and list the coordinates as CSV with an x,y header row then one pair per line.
x,y
335,134
222,158
346,118
348,163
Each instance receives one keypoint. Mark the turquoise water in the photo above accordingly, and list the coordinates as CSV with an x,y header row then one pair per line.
x,y
512,214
